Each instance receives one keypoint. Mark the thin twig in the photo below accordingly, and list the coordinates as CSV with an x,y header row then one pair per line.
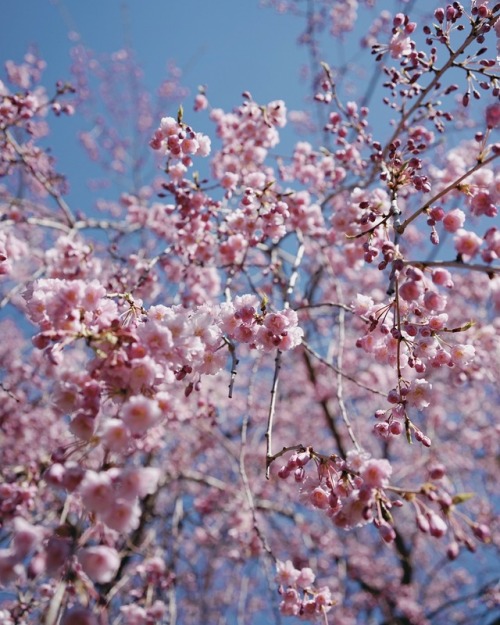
x,y
314,353
278,454
248,490
234,365
277,361
70,218
455,264
396,214
51,617
340,387
200,478
447,189
324,403
272,410
329,304
19,287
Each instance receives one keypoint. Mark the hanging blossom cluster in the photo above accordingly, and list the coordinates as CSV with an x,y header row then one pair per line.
x,y
358,491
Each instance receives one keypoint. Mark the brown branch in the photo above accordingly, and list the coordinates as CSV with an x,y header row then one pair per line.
x,y
471,37
330,420
447,189
314,353
60,201
455,264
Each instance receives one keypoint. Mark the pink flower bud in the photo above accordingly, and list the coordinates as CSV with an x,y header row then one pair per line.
x,y
437,471
284,472
437,525
387,532
422,523
396,428
482,532
453,550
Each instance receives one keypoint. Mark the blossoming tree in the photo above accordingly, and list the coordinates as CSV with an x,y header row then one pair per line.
x,y
270,390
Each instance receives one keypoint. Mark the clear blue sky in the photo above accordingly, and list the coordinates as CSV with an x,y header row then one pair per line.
x,y
228,45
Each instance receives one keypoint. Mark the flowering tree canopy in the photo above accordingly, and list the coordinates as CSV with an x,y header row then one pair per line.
x,y
259,385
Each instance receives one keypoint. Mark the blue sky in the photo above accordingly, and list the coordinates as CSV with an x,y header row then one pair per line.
x,y
226,45
231,46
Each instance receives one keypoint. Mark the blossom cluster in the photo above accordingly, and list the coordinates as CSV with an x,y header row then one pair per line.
x,y
179,143
349,491
247,134
300,598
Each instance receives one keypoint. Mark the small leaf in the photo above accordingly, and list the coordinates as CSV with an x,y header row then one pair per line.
x,y
462,497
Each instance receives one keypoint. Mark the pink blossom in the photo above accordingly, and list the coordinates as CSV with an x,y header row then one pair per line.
x,y
467,243
323,597
387,532
122,515
453,220
442,277
83,425
362,305
140,413
204,145
319,497
200,102
411,290
26,537
137,482
400,45
419,394
276,113
434,301
100,563
115,435
438,322
287,574
482,204
462,354
96,491
442,357
437,525
306,578
376,472
425,347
